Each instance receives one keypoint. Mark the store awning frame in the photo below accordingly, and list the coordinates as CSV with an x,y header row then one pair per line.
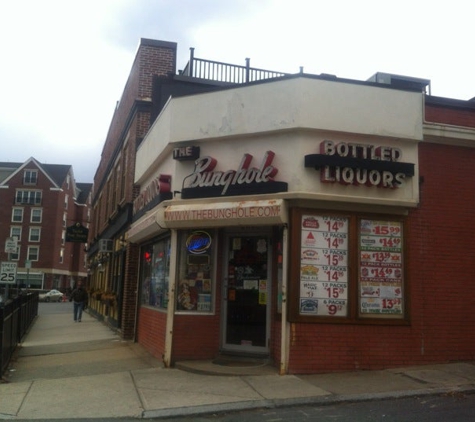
x,y
223,214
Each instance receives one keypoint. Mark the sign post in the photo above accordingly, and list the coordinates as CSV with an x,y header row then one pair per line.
x,y
8,275
11,245
8,272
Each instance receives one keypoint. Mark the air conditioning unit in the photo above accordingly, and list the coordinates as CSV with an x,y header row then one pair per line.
x,y
105,245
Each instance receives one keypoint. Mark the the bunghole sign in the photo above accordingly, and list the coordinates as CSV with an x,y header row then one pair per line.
x,y
207,182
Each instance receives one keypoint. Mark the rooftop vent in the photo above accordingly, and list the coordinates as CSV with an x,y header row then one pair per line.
x,y
402,82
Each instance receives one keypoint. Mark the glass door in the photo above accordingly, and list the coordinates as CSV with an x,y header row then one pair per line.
x,y
247,293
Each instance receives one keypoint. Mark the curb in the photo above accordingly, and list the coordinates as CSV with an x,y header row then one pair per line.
x,y
300,401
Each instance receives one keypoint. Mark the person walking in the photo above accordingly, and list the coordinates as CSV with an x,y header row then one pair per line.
x,y
79,297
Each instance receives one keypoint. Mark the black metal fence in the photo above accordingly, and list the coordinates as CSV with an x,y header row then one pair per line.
x,y
16,316
225,72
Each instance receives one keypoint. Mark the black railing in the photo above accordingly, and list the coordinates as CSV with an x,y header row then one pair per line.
x,y
225,72
16,316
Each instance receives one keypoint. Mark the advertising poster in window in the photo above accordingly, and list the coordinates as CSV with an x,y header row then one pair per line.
x,y
381,268
195,285
324,266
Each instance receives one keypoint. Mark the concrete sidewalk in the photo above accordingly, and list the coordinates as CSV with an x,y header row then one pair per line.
x,y
83,370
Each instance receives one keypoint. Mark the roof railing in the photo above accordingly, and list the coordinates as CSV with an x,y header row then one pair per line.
x,y
225,72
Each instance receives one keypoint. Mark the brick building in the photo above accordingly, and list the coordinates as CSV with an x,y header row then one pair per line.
x,y
39,203
113,261
320,222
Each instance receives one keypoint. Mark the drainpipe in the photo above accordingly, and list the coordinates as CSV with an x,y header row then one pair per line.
x,y
285,328
167,355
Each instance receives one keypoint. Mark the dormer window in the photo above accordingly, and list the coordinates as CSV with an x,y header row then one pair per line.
x,y
30,177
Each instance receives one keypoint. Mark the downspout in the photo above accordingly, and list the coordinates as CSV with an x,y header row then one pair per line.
x,y
167,355
285,326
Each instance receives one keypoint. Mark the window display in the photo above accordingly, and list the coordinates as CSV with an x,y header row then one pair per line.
x,y
155,274
348,268
381,268
195,286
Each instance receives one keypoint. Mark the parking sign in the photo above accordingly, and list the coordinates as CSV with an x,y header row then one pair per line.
x,y
8,272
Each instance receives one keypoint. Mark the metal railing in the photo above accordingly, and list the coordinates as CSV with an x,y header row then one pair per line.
x,y
16,316
225,72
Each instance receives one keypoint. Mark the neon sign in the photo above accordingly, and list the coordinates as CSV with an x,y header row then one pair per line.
x,y
198,242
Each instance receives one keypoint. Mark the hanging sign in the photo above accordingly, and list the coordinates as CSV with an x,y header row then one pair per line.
x,y
77,233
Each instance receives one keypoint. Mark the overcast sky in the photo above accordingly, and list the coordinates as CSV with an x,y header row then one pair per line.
x,y
64,63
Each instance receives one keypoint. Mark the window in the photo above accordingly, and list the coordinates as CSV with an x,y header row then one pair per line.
x,y
61,256
15,231
32,197
66,198
17,215
155,272
30,177
63,237
35,233
195,272
14,256
348,268
33,253
36,215
65,219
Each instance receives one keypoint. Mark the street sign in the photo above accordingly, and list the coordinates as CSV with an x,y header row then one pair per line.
x,y
8,272
11,245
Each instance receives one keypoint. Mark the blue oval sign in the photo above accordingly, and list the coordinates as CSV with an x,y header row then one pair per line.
x,y
198,242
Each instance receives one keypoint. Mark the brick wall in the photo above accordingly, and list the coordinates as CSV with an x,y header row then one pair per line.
x,y
151,332
153,58
440,275
450,116
130,122
195,337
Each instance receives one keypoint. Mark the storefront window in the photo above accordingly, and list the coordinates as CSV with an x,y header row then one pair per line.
x,y
195,266
155,273
347,268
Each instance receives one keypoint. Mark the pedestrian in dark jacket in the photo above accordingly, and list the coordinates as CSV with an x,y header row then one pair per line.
x,y
79,297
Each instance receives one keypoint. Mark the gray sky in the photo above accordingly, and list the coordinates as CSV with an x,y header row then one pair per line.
x,y
64,63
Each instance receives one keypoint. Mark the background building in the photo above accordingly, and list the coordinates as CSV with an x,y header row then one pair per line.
x,y
39,203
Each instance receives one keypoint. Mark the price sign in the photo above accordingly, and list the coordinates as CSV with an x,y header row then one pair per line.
x,y
324,266
8,272
381,268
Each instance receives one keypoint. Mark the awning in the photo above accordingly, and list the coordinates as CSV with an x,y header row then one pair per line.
x,y
144,228
221,214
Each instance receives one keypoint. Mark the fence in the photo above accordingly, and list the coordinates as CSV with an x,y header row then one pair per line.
x,y
16,316
225,72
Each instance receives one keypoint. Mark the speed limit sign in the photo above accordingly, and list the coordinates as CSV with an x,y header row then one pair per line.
x,y
8,272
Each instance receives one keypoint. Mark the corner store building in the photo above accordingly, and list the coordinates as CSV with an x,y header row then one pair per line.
x,y
312,219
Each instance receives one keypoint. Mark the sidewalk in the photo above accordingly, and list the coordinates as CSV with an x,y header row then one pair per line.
x,y
70,370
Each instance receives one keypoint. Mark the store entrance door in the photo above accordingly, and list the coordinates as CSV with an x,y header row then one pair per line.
x,y
247,293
